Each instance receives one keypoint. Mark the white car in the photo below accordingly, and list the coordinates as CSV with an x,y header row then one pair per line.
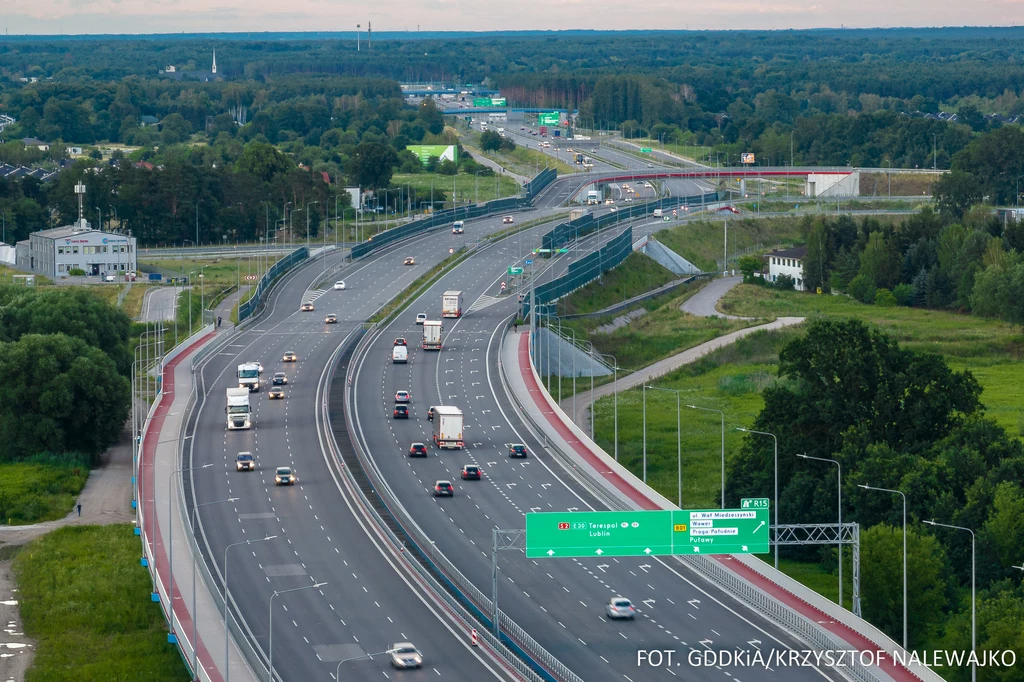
x,y
619,607
421,318
339,285
405,655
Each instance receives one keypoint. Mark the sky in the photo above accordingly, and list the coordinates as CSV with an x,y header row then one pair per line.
x,y
173,16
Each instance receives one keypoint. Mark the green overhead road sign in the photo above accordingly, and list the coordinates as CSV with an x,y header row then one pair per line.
x,y
645,150
646,533
515,271
548,119
754,503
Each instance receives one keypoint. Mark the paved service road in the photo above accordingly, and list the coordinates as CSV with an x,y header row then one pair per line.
x,y
559,602
158,303
367,604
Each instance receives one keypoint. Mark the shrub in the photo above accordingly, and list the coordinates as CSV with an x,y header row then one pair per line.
x,y
76,272
904,294
862,289
785,282
885,299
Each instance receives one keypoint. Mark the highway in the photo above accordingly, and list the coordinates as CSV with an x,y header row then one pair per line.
x,y
559,602
367,604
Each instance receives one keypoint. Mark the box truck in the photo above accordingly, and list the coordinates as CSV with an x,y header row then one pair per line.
x,y
432,335
249,376
448,427
238,410
594,196
451,304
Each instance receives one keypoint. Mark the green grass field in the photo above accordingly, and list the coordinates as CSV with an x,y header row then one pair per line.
x,y
467,187
84,598
31,492
702,243
635,275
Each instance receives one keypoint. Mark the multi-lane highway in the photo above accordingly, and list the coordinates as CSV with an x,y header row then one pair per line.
x,y
559,602
367,603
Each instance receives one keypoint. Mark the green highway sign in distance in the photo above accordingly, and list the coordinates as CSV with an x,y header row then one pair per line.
x,y
548,119
754,503
645,150
646,533
515,271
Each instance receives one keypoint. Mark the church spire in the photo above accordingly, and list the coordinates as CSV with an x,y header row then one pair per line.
x,y
214,61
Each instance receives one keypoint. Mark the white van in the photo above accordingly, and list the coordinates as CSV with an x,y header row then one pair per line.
x,y
399,354
658,213
458,227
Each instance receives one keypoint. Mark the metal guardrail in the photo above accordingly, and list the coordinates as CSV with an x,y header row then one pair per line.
x,y
255,302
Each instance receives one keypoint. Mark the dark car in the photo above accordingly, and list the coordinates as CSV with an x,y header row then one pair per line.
x,y
244,461
430,414
417,450
401,412
517,450
444,489
470,472
280,378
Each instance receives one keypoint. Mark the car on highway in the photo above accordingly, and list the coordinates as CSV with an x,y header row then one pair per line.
x,y
405,655
417,450
403,397
458,227
409,260
507,219
400,341
400,412
290,356
613,209
430,414
339,285
421,318
331,319
470,472
650,165
276,392
244,461
307,307
444,489
258,364
517,450
280,379
285,476
619,608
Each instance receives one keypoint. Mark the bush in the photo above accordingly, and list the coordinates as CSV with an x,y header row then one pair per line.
x,y
862,289
447,167
785,282
76,272
490,141
904,294
885,299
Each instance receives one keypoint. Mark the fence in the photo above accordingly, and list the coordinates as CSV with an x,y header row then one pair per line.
x,y
255,302
448,216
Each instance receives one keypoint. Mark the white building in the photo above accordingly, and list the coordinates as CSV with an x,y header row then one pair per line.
x,y
788,262
55,253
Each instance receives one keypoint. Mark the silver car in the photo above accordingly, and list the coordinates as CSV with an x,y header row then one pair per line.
x,y
405,655
619,607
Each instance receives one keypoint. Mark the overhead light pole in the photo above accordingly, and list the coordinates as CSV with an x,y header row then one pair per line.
x,y
195,560
776,522
708,409
170,543
839,536
270,625
227,626
974,641
897,492
679,443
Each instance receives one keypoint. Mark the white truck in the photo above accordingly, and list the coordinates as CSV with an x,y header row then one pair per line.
x,y
432,335
249,376
451,304
594,196
448,428
238,410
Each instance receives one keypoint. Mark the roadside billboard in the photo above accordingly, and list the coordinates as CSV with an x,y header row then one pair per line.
x,y
747,157
425,152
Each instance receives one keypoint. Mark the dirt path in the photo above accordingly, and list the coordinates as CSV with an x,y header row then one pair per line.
x,y
106,499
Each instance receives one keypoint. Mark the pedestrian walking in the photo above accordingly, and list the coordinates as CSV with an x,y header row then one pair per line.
x,y
515,326
218,320
79,510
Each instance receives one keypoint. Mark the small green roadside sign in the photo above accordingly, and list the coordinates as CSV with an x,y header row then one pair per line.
x,y
646,533
754,503
515,271
645,150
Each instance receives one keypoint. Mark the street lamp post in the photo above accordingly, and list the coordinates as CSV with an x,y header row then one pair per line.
x,y
974,664
897,492
708,409
307,223
170,542
270,625
776,522
227,627
679,443
195,560
840,534
615,399
337,671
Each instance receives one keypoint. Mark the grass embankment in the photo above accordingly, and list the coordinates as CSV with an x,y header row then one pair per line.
x,y
634,276
897,184
702,243
84,598
42,489
467,187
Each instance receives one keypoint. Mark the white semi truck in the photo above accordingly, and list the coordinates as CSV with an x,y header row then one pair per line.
x,y
448,428
451,304
238,410
249,376
431,335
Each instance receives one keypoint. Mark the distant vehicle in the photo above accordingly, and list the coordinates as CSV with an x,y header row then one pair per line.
x,y
339,285
613,209
421,318
244,461
403,397
248,374
448,427
431,335
594,196
650,165
400,341
417,450
399,355
658,213
400,412
290,356
276,392
444,489
506,220
619,607
517,450
451,304
470,472
430,414
110,278
409,260
285,476
458,227
307,307
238,410
405,655
280,378
331,319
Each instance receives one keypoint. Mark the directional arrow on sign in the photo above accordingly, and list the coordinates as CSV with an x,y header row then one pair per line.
x,y
693,603
551,552
599,552
647,551
648,603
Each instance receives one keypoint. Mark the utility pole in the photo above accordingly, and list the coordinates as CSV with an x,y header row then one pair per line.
x,y
358,26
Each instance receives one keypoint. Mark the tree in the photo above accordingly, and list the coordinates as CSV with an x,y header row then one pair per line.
x,y
882,584
749,265
262,160
885,298
58,395
862,289
955,192
490,141
372,165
